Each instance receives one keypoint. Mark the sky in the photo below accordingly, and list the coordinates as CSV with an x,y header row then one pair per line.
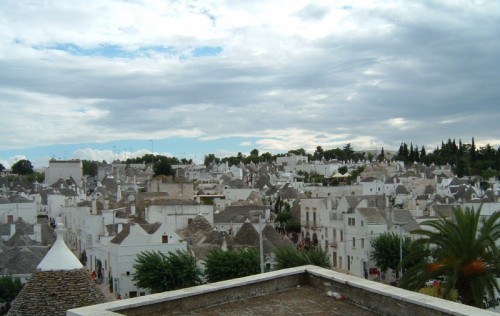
x,y
104,80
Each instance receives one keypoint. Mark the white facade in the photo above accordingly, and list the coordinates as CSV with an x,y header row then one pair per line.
x,y
11,212
235,195
338,191
64,169
291,160
122,256
344,234
177,216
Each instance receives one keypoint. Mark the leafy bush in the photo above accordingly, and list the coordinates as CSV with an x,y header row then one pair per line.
x,y
159,272
225,265
288,257
9,288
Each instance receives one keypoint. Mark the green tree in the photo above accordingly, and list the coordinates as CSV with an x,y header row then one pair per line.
x,y
370,157
288,257
266,157
348,151
225,265
22,167
2,168
38,176
283,217
89,167
381,156
210,159
356,173
342,170
464,251
298,152
9,288
386,252
163,167
159,272
318,153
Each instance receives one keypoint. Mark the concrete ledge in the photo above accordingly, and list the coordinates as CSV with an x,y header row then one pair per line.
x,y
384,299
379,298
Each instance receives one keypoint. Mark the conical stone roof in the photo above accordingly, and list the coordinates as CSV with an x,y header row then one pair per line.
x,y
61,283
247,235
59,256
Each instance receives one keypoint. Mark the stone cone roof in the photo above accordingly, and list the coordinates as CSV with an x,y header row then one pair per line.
x,y
199,224
59,256
55,292
247,235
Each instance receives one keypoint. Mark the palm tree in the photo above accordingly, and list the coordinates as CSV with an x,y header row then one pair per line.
x,y
463,252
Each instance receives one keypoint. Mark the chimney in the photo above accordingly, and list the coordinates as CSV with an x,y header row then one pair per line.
x,y
118,191
94,207
37,228
12,229
224,244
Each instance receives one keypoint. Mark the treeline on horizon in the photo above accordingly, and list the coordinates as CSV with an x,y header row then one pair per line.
x,y
465,159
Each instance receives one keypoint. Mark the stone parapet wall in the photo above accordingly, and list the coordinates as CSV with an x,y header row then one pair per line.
x,y
376,297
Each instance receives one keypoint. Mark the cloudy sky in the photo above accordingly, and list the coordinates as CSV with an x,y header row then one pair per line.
x,y
111,79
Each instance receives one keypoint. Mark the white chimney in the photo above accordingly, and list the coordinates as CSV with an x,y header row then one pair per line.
x,y
224,244
118,191
37,229
12,229
94,207
132,209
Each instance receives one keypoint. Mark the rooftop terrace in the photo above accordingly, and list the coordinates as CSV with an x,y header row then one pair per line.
x,y
296,291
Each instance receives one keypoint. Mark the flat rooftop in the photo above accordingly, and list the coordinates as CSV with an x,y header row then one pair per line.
x,y
295,291
301,300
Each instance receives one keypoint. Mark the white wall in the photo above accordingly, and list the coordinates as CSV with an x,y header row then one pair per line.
x,y
176,216
27,211
64,169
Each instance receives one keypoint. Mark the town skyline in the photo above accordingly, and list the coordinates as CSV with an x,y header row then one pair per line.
x,y
110,155
100,81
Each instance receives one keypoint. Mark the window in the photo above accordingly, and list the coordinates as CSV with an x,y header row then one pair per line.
x,y
351,221
334,235
362,223
164,239
341,235
314,217
362,243
307,216
128,273
353,242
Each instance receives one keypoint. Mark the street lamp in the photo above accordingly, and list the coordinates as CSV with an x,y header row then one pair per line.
x,y
261,244
400,225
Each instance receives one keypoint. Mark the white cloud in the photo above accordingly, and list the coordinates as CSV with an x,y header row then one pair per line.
x,y
402,124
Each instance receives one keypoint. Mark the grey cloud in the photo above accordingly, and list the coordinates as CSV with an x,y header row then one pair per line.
x,y
424,68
